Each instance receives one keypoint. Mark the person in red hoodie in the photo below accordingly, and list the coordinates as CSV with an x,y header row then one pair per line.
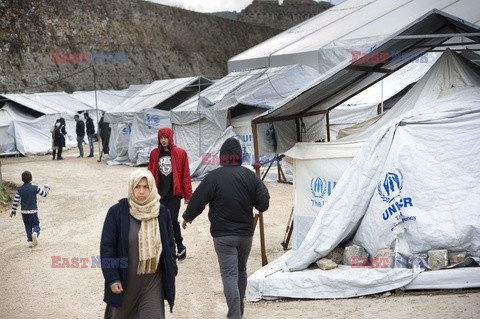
x,y
169,165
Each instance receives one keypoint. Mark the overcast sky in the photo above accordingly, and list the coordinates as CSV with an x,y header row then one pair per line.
x,y
214,5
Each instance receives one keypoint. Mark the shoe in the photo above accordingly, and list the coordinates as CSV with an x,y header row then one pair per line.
x,y
53,158
34,239
90,156
79,156
60,158
30,244
183,254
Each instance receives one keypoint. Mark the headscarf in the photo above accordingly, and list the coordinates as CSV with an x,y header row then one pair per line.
x,y
149,241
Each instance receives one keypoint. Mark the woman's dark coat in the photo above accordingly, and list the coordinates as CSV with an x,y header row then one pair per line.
x,y
114,246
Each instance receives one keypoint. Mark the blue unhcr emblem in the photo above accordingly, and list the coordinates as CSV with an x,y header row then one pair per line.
x,y
152,121
318,186
391,187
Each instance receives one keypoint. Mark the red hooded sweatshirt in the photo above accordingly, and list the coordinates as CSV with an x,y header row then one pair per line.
x,y
182,184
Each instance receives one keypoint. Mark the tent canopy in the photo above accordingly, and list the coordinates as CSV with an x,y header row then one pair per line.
x,y
201,120
320,41
350,77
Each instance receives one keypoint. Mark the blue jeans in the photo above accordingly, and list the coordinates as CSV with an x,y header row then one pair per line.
x,y
90,142
232,253
32,224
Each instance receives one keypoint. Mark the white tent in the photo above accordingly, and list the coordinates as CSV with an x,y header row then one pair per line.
x,y
31,136
235,100
364,105
410,188
452,71
8,114
135,140
318,166
135,122
329,38
104,100
53,105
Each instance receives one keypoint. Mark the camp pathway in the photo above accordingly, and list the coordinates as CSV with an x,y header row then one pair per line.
x,y
50,281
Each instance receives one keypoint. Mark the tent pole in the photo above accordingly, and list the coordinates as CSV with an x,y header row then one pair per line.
x,y
381,86
297,128
255,148
96,107
327,119
258,215
199,128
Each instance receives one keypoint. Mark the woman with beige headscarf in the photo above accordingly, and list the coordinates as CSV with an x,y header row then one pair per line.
x,y
138,254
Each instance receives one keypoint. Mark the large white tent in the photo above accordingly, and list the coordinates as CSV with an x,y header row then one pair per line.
x,y
135,122
318,166
235,100
51,105
329,38
411,188
9,114
348,78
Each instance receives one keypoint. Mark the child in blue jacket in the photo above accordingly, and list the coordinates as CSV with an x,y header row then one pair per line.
x,y
27,194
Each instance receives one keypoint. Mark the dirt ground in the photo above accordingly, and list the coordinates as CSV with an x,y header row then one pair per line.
x,y
71,220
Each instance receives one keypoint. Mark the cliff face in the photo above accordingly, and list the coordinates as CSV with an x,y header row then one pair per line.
x,y
290,13
127,42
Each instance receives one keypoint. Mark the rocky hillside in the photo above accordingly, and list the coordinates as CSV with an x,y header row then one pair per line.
x,y
127,41
288,14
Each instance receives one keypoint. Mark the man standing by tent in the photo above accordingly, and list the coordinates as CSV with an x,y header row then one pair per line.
x,y
90,131
231,192
80,131
169,165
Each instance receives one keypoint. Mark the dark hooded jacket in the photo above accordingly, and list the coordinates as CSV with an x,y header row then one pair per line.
x,y
232,191
182,184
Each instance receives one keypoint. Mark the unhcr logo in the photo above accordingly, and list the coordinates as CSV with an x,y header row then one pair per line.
x,y
391,187
152,121
319,188
389,191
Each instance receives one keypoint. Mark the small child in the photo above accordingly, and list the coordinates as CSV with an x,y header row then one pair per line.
x,y
27,193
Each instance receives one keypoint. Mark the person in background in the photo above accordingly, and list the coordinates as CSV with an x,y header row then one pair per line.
x,y
90,132
80,131
54,147
27,195
59,138
169,165
104,132
137,250
232,191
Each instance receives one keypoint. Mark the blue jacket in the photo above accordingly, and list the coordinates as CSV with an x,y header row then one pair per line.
x,y
114,244
28,194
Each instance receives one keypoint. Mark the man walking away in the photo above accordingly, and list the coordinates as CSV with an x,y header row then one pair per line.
x,y
80,131
232,191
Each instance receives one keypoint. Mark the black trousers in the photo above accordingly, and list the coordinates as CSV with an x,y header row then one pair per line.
x,y
173,205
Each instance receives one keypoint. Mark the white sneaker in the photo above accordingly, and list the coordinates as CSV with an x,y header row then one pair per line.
x,y
35,239
30,244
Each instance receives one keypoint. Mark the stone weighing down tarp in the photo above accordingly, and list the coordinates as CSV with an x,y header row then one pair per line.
x,y
411,188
